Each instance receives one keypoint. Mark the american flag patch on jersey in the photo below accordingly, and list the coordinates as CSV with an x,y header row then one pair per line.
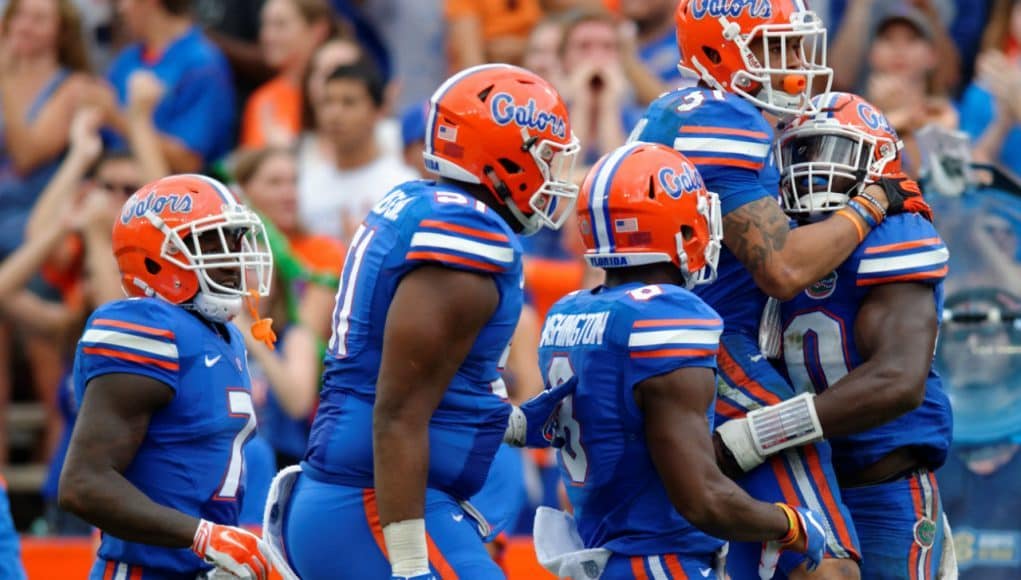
x,y
625,225
447,133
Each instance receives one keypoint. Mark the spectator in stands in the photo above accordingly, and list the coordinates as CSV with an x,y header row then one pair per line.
x,y
657,38
334,201
415,33
542,53
233,25
413,121
904,61
596,86
195,116
290,33
43,72
480,31
990,109
861,21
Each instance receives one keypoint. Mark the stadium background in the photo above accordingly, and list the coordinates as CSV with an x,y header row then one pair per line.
x,y
245,90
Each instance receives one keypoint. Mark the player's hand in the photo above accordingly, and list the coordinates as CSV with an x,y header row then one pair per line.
x,y
806,535
534,423
232,549
903,195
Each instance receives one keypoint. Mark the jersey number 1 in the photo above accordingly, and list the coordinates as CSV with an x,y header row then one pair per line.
x,y
240,405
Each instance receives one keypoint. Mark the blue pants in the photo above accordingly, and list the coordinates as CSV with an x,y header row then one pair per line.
x,y
802,476
109,570
333,531
661,567
901,526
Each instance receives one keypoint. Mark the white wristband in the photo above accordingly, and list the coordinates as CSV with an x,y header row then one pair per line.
x,y
517,428
770,430
406,547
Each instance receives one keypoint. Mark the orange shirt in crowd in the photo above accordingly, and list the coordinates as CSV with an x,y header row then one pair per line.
x,y
275,106
497,17
320,254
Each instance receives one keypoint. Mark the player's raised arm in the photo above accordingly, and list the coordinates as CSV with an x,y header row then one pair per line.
x,y
112,422
434,319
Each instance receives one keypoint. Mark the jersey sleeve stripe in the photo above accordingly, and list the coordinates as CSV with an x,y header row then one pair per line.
x,y
904,246
673,352
160,332
925,275
918,260
459,229
103,337
493,253
725,131
686,336
744,164
453,259
136,358
748,149
678,322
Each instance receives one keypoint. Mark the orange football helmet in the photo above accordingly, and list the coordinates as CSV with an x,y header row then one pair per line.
x,y
715,39
187,239
645,203
828,157
506,128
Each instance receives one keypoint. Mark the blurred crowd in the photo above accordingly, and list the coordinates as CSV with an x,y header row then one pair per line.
x,y
313,109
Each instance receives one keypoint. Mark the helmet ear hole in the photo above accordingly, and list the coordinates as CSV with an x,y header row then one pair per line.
x,y
687,232
152,267
509,166
712,54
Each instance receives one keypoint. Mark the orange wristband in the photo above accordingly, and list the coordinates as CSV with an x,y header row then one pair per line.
x,y
792,525
849,215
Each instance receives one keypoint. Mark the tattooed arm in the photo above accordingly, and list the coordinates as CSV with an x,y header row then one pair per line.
x,y
783,261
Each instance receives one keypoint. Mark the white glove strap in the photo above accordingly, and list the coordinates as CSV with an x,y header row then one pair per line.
x,y
406,547
771,429
517,428
784,425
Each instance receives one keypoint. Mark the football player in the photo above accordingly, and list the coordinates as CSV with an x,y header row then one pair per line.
x,y
858,345
638,459
754,58
413,408
156,457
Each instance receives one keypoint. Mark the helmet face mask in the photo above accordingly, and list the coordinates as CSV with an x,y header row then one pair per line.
x,y
828,157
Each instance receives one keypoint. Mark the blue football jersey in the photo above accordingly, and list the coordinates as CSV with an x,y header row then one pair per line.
x,y
613,339
192,456
729,141
819,346
418,223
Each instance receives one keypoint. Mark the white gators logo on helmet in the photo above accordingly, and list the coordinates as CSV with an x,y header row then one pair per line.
x,y
505,111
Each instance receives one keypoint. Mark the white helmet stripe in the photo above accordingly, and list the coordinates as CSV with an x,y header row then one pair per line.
x,y
599,211
448,84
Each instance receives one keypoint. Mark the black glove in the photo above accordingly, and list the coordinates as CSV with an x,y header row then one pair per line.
x,y
904,195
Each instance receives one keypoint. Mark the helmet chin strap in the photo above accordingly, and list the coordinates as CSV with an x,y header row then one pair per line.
x,y
217,308
529,225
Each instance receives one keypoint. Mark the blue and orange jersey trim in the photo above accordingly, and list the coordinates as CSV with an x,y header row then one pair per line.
x,y
461,245
908,261
687,337
664,567
121,571
723,146
131,342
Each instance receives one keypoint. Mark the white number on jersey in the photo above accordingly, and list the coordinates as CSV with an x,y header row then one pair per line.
x,y
240,404
829,340
572,455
